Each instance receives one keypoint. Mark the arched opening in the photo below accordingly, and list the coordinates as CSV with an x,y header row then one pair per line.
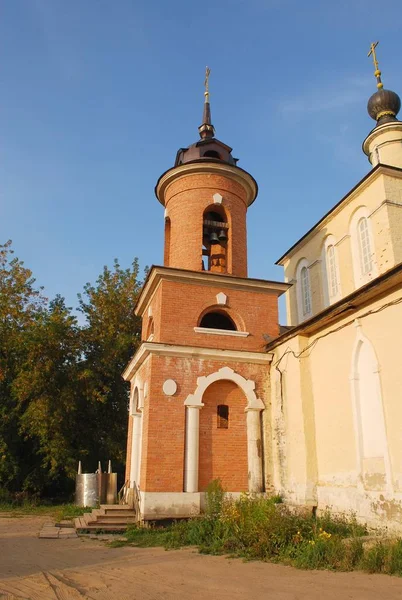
x,y
212,154
372,439
217,320
150,329
223,444
166,257
215,239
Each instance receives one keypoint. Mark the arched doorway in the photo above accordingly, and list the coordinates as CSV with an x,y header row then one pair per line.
x,y
223,437
252,407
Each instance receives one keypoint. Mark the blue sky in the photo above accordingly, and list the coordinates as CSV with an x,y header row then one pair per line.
x,y
97,96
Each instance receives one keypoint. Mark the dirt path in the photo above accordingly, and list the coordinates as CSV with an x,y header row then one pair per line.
x,y
78,569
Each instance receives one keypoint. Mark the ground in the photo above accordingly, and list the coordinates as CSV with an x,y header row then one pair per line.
x,y
78,569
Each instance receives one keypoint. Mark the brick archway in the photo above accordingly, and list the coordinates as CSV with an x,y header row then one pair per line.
x,y
223,450
252,409
226,373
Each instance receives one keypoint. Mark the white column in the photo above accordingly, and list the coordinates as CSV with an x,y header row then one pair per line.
x,y
192,449
135,449
254,450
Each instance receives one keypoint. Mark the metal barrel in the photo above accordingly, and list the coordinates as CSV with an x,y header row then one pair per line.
x,y
87,489
111,487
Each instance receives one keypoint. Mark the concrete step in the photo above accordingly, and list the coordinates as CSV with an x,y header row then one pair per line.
x,y
100,527
114,521
119,513
112,507
96,512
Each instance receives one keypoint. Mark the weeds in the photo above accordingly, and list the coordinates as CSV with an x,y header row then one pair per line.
x,y
257,528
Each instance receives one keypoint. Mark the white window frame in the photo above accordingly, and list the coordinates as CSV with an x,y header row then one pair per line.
x,y
361,276
303,315
329,296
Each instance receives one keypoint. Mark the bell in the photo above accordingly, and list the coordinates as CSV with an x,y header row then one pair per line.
x,y
213,238
222,236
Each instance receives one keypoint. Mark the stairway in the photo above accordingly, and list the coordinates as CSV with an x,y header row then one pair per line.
x,y
109,517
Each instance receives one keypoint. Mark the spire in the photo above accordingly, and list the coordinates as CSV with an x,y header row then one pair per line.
x,y
206,129
384,105
377,72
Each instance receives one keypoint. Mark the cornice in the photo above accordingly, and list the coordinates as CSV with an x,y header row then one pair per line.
x,y
194,352
379,130
194,168
367,180
206,278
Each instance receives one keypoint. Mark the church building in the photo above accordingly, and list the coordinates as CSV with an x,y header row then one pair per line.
x,y
219,390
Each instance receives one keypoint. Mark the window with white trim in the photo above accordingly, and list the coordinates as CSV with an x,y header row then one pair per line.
x,y
366,263
363,250
305,292
333,284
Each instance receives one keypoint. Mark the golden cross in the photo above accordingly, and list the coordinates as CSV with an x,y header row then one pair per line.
x,y
206,83
377,72
372,52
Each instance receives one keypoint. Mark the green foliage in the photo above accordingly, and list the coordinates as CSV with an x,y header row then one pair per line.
x,y
62,397
384,558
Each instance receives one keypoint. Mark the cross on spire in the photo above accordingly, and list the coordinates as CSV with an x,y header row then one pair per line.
x,y
377,72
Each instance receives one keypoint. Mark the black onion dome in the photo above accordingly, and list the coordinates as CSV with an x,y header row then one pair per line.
x,y
383,106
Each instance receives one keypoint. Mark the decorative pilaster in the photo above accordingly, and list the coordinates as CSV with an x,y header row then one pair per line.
x,y
254,450
192,448
135,449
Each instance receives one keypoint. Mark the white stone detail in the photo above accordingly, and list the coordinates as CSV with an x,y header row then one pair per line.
x,y
169,387
221,298
150,311
145,389
226,373
213,331
217,198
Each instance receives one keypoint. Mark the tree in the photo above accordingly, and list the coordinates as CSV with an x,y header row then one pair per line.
x,y
110,338
49,400
21,304
62,396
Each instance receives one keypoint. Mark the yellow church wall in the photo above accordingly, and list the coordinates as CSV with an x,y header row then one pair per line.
x,y
317,431
379,198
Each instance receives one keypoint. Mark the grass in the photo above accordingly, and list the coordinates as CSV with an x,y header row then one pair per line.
x,y
28,508
263,529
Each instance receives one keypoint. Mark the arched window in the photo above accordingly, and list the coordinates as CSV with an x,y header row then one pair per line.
x,y
305,292
332,271
366,263
212,154
362,245
150,329
215,238
217,320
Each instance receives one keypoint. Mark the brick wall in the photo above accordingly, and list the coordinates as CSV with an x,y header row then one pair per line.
x,y
181,305
223,452
186,200
164,417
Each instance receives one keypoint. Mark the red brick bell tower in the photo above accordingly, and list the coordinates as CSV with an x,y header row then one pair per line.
x,y
199,381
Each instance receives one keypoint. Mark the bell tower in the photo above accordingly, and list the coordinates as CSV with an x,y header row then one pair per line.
x,y
200,379
206,197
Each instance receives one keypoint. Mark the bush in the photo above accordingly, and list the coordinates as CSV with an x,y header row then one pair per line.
x,y
260,528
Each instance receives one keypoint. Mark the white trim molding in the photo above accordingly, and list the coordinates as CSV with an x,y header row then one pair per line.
x,y
226,373
157,349
361,278
213,331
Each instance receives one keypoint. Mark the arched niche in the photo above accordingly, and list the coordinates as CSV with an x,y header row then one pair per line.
x,y
371,437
